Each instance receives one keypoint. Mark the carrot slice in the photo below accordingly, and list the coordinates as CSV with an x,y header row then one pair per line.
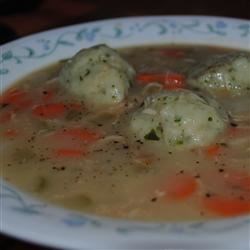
x,y
10,133
213,150
226,206
49,111
84,134
174,81
181,187
12,96
174,53
68,152
169,81
16,97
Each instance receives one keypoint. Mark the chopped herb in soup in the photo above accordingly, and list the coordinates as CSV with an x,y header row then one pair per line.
x,y
158,133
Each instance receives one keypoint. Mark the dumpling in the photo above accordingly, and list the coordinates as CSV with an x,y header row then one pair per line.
x,y
98,75
180,119
229,74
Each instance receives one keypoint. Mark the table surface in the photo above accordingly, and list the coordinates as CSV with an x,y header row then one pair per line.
x,y
16,16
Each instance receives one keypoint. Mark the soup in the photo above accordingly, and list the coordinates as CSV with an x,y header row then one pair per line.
x,y
157,144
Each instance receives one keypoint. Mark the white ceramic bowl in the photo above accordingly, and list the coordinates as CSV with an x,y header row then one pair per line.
x,y
24,217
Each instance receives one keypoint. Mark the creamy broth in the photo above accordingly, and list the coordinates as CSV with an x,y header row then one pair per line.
x,y
89,161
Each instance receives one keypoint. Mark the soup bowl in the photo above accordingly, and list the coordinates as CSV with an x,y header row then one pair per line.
x,y
28,218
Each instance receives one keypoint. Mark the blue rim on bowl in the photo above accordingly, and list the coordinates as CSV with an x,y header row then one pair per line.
x,y
25,217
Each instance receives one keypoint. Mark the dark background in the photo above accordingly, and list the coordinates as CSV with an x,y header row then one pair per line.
x,y
23,17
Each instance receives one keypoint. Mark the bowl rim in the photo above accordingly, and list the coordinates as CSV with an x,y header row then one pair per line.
x,y
22,235
118,19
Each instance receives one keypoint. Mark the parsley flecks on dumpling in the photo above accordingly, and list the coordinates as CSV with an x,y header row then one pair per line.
x,y
180,119
99,76
230,74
